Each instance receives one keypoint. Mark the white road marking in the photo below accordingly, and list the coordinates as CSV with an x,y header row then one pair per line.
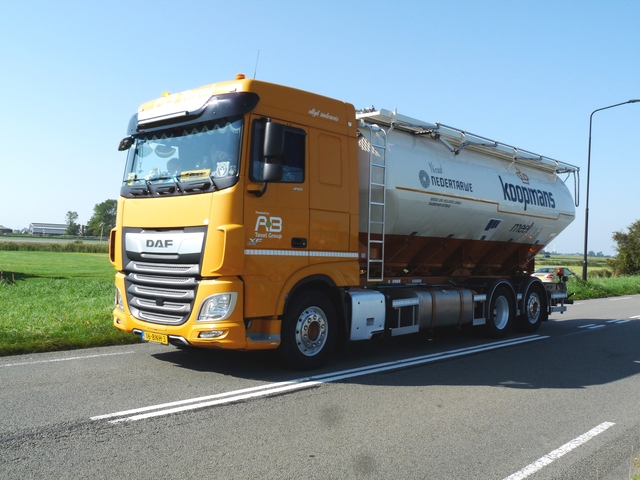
x,y
300,383
65,359
620,298
556,454
635,316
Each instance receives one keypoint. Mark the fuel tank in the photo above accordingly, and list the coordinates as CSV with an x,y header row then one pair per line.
x,y
435,200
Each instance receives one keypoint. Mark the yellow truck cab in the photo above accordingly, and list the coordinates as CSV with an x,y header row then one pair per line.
x,y
237,197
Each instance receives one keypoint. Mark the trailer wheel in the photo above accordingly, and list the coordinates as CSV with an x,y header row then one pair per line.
x,y
534,309
501,312
308,331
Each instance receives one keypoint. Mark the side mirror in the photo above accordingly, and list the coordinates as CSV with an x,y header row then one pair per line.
x,y
125,144
273,151
273,140
272,172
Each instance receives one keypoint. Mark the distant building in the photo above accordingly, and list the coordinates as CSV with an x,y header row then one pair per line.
x,y
47,228
4,230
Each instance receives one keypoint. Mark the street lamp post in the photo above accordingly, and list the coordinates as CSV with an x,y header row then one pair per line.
x,y
586,213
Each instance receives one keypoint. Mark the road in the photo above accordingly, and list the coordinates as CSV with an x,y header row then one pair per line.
x,y
562,403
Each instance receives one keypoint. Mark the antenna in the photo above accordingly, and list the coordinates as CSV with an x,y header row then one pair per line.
x,y
256,69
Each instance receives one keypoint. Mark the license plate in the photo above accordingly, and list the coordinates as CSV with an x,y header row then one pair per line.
x,y
155,337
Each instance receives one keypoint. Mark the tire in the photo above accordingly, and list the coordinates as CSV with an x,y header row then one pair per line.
x,y
501,312
534,309
309,331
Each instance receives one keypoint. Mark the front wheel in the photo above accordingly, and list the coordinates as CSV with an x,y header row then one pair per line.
x,y
501,312
308,331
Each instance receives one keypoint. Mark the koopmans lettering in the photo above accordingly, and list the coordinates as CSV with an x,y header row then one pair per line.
x,y
527,195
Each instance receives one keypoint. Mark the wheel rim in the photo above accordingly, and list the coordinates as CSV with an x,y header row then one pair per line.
x,y
311,331
533,307
501,312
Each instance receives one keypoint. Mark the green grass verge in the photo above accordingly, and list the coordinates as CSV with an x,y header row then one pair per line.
x,y
603,287
56,301
59,299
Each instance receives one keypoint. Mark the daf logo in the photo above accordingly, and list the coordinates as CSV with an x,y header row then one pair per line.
x,y
159,243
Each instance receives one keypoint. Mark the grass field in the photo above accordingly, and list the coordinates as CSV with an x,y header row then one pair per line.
x,y
600,281
56,300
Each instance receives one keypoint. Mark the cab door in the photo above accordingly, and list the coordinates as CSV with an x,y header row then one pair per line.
x,y
276,219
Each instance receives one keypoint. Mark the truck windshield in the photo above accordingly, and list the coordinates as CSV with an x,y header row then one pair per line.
x,y
182,155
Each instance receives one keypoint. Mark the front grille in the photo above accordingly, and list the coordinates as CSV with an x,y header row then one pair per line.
x,y
157,318
160,293
175,307
163,294
163,268
162,280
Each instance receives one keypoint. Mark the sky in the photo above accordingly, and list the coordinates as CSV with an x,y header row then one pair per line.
x,y
525,73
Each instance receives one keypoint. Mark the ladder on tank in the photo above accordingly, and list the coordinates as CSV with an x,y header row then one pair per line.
x,y
377,200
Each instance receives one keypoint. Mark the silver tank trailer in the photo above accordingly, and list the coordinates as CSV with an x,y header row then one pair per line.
x,y
443,191
449,221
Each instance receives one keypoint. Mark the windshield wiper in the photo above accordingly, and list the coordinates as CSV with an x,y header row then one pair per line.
x,y
171,184
163,188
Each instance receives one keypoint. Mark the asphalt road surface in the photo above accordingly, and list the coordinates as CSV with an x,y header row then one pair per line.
x,y
562,403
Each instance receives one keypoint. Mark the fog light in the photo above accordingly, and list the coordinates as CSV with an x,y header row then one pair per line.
x,y
211,334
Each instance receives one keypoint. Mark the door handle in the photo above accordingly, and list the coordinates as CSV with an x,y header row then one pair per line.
x,y
298,242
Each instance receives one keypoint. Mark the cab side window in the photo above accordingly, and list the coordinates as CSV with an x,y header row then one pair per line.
x,y
293,160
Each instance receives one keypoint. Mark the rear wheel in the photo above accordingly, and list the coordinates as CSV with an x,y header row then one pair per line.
x,y
308,331
534,309
501,312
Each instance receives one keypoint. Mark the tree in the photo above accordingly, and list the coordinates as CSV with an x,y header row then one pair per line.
x,y
103,219
72,226
627,262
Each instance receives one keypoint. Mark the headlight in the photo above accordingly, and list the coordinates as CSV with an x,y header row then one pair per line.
x,y
118,300
217,307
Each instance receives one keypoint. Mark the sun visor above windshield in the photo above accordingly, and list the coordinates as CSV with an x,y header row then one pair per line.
x,y
200,105
179,104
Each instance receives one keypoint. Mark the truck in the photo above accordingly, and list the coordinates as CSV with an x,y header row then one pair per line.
x,y
257,216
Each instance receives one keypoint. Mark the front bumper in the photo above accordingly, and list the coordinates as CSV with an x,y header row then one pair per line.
x,y
229,333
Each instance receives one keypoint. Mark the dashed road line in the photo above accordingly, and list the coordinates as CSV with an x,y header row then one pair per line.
x,y
559,452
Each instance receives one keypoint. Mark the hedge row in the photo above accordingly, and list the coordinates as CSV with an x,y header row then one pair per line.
x,y
77,247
